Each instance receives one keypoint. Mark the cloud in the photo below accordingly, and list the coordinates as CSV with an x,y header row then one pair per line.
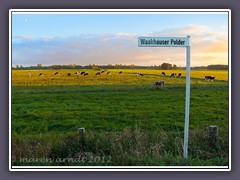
x,y
23,37
120,48
207,46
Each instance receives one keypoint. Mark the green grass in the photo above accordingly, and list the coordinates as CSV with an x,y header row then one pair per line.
x,y
125,117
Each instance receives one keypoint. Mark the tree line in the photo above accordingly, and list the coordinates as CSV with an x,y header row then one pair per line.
x,y
163,66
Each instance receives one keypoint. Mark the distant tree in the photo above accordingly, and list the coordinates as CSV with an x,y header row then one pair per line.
x,y
72,66
39,65
218,67
56,66
95,67
17,66
166,66
132,66
174,66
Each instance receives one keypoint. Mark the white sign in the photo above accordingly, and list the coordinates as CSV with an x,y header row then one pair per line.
x,y
175,42
163,42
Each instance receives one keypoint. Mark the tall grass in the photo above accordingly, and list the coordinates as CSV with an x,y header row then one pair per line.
x,y
130,147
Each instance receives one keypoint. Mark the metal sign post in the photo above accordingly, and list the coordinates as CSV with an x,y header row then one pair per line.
x,y
175,42
187,105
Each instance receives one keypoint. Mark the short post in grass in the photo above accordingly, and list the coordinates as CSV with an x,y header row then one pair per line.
x,y
213,134
82,138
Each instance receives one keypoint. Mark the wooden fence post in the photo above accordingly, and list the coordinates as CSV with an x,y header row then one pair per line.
x,y
213,133
81,138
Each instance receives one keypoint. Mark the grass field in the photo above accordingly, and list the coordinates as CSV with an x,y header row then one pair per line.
x,y
128,121
20,77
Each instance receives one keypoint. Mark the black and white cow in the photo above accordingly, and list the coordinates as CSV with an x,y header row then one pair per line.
x,y
210,78
159,83
139,74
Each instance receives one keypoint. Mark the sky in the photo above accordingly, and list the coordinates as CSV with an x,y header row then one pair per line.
x,y
102,39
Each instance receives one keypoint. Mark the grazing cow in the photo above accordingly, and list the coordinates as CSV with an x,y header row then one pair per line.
x,y
179,75
85,74
163,74
69,74
139,74
82,73
98,73
173,75
120,72
210,78
55,73
102,71
159,83
41,74
108,72
76,73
